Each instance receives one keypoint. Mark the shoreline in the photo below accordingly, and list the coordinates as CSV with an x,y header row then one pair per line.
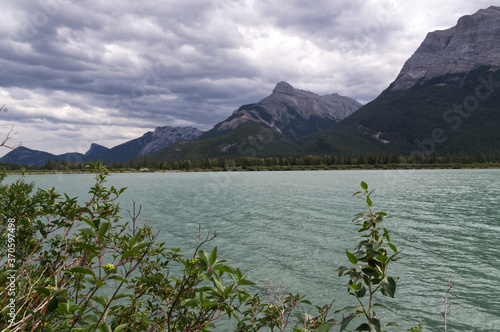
x,y
274,168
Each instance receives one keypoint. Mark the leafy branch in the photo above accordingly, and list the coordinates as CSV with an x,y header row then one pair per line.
x,y
370,265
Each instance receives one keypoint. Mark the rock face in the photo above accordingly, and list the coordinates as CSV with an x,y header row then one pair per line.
x,y
293,112
165,136
473,42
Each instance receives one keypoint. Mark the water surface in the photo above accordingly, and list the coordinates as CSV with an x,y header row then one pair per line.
x,y
292,227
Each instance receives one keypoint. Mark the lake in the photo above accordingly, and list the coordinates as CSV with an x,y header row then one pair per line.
x,y
292,228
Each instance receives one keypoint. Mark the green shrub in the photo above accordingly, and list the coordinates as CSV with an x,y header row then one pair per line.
x,y
80,267
368,276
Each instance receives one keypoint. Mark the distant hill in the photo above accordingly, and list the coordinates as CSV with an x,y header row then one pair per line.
x,y
25,156
149,143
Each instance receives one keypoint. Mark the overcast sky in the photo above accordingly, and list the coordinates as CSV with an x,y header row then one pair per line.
x,y
74,72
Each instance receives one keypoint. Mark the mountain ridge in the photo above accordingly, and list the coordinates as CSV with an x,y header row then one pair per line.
x,y
445,99
275,125
150,142
293,112
471,43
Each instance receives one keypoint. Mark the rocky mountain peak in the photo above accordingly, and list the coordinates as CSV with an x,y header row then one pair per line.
x,y
95,150
293,112
284,88
165,136
473,42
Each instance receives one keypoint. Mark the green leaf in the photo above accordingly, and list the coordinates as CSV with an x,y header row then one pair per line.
x,y
120,328
301,316
213,256
190,303
102,300
90,223
122,295
239,274
360,293
134,239
355,287
393,247
91,319
389,286
364,185
219,286
103,228
363,327
53,304
127,254
204,256
135,248
86,246
370,271
341,270
325,328
43,290
352,258
349,308
116,277
376,323
99,283
346,321
87,231
82,270
104,327
59,291
246,282
381,258
224,268
139,246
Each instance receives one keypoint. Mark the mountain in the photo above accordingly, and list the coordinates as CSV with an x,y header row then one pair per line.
x,y
276,125
445,100
292,112
95,151
25,156
149,143
472,43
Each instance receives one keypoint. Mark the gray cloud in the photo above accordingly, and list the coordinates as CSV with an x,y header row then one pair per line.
x,y
76,72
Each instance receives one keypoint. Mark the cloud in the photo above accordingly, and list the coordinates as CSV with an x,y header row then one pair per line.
x,y
76,72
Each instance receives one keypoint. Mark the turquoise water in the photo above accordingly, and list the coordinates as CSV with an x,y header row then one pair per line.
x,y
292,227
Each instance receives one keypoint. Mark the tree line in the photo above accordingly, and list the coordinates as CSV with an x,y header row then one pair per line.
x,y
280,162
